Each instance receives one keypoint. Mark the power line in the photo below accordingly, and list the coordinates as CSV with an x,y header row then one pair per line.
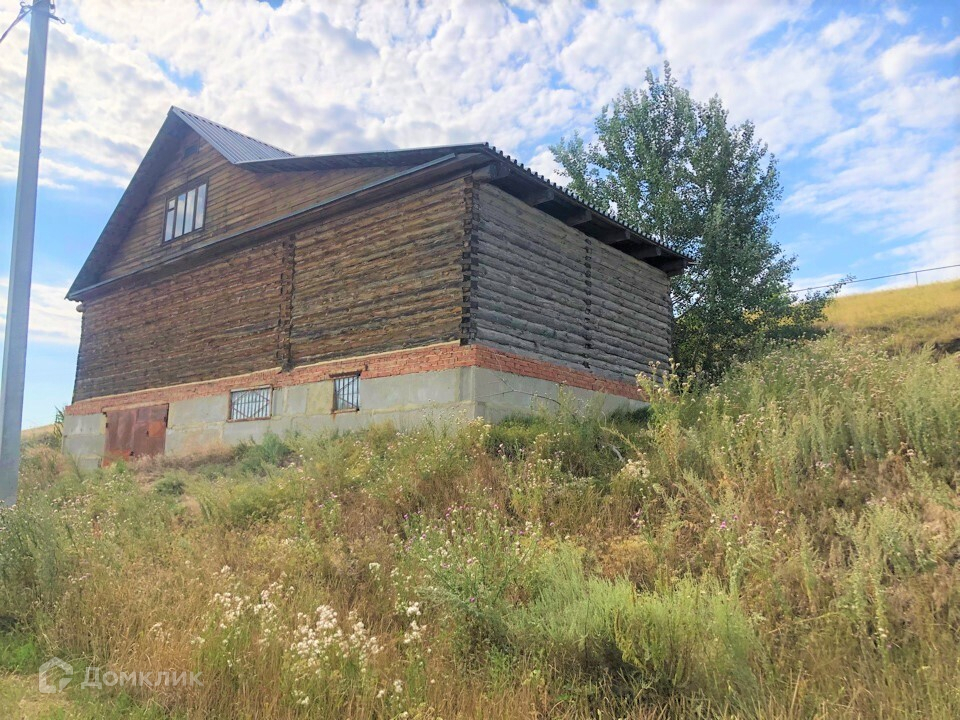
x,y
878,277
24,9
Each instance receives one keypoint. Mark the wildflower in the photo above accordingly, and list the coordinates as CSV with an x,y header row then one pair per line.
x,y
413,634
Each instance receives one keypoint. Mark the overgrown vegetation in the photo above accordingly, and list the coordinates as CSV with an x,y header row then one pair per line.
x,y
681,171
784,545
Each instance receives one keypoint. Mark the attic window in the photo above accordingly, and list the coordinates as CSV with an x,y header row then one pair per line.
x,y
185,212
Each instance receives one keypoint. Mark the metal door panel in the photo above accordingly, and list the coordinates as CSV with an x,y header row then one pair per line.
x,y
135,432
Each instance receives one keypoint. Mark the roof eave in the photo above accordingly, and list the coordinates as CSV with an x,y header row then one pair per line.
x,y
130,201
668,260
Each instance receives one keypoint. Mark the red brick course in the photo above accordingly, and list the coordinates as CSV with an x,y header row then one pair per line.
x,y
401,362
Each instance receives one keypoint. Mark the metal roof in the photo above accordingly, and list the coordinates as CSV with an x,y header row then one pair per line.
x,y
270,159
234,146
380,158
416,156
251,154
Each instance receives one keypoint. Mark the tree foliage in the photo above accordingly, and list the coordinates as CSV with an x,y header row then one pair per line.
x,y
679,170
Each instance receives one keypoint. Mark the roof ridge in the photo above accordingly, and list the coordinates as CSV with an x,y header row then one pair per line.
x,y
393,151
199,123
606,213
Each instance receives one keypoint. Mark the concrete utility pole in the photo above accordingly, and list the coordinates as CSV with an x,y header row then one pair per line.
x,y
21,258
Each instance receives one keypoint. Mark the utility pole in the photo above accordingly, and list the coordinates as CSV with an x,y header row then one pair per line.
x,y
21,257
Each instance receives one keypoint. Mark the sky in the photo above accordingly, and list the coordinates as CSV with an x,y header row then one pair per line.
x,y
858,101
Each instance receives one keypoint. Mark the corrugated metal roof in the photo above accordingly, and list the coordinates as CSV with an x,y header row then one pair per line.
x,y
234,146
380,158
416,156
251,154
254,155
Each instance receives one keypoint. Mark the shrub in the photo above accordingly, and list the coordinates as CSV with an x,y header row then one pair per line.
x,y
258,458
689,639
472,565
170,486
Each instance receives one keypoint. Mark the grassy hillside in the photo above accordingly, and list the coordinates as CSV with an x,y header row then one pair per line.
x,y
785,546
903,318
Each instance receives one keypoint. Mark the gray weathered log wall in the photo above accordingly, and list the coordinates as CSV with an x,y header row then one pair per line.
x,y
542,288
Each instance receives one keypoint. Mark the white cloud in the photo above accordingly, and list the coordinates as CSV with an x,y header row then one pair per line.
x,y
896,15
905,56
906,201
841,30
53,319
815,282
848,90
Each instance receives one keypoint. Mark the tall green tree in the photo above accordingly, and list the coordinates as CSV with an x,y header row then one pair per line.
x,y
679,170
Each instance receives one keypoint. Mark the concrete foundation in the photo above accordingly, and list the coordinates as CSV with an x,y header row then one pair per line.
x,y
83,438
444,396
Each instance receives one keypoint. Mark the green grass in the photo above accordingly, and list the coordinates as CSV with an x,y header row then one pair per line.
x,y
783,545
904,318
19,698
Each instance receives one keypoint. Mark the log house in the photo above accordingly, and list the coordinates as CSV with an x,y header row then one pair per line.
x,y
238,290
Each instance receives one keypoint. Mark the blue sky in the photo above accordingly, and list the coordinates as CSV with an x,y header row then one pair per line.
x,y
860,102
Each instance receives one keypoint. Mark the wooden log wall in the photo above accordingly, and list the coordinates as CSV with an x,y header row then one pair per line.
x,y
380,278
237,199
383,278
542,288
205,322
454,260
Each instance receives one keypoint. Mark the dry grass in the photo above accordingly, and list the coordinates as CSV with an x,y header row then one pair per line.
x,y
32,434
785,545
905,318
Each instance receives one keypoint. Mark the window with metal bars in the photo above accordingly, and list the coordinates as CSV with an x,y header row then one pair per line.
x,y
346,392
250,404
185,212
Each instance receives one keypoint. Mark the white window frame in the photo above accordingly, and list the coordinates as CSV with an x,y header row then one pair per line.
x,y
177,221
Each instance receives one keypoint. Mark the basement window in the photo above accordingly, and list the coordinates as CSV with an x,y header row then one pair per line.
x,y
251,404
346,393
185,212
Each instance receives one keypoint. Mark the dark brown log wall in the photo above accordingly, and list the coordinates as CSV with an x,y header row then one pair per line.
x,y
237,199
208,321
384,278
545,289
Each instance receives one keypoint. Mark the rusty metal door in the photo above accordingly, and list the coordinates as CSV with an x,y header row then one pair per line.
x,y
135,432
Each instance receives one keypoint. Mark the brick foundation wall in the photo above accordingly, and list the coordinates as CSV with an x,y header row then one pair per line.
x,y
443,356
